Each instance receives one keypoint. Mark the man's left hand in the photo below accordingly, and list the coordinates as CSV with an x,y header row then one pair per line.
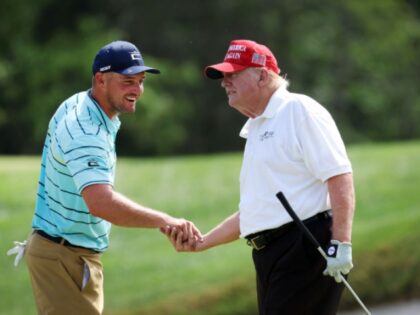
x,y
339,259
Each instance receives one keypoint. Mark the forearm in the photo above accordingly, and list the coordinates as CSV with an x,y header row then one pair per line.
x,y
226,232
342,199
112,206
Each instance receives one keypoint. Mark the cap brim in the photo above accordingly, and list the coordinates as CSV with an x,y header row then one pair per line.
x,y
216,71
138,69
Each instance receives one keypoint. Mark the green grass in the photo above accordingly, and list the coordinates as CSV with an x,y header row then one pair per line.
x,y
144,275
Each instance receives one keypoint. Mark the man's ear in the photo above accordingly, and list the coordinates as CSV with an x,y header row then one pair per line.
x,y
264,77
100,79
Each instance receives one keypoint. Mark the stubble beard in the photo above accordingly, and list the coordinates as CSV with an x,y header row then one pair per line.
x,y
118,106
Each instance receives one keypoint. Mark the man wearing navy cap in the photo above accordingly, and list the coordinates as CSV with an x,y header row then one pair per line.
x,y
292,145
76,203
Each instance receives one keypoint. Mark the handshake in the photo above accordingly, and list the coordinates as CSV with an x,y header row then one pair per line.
x,y
184,235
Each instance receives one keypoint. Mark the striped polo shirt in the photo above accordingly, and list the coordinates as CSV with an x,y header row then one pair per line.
x,y
79,151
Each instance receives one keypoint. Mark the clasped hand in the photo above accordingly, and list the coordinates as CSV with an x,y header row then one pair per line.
x,y
183,240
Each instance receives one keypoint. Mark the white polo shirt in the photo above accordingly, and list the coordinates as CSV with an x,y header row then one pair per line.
x,y
293,147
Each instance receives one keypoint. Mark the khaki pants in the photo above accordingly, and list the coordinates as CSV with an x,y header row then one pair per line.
x,y
65,280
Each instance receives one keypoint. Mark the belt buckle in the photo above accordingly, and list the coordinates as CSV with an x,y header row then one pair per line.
x,y
252,242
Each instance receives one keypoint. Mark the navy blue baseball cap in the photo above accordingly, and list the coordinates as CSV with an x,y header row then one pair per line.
x,y
121,57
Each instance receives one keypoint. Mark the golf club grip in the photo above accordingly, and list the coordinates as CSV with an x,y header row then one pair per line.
x,y
295,218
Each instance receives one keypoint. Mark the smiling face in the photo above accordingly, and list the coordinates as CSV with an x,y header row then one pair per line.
x,y
118,93
243,91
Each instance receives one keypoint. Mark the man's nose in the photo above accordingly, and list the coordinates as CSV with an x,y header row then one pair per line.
x,y
225,82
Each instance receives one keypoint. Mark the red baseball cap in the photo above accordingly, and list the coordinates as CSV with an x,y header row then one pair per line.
x,y
243,54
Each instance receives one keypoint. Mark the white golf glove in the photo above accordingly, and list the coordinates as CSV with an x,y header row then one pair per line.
x,y
19,250
339,259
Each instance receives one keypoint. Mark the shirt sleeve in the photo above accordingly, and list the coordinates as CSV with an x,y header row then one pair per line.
x,y
323,149
90,160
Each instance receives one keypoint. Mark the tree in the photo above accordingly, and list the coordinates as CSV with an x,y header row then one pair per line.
x,y
50,47
358,58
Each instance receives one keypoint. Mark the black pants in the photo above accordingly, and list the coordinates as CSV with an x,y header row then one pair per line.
x,y
289,275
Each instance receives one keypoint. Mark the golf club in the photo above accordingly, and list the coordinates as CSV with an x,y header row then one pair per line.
x,y
313,240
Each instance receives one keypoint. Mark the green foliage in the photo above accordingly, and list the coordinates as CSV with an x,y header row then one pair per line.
x,y
56,70
48,58
144,275
386,233
390,272
358,58
159,123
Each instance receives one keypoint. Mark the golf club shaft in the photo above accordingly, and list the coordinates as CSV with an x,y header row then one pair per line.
x,y
310,236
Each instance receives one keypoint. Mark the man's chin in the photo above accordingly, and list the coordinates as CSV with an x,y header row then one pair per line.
x,y
129,109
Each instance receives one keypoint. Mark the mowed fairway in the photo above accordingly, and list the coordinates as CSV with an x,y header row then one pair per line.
x,y
144,275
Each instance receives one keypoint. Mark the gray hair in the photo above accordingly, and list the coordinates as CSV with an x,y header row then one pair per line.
x,y
275,79
279,80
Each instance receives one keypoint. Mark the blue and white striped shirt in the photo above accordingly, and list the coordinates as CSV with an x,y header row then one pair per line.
x,y
79,151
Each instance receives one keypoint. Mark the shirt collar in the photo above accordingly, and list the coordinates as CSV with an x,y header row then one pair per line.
x,y
112,125
276,100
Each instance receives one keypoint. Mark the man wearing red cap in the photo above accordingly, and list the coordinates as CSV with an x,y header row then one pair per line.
x,y
292,145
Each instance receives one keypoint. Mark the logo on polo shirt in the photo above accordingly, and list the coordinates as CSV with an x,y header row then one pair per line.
x,y
266,135
93,163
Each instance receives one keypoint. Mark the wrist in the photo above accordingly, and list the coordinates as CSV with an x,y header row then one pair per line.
x,y
339,242
341,238
204,244
164,219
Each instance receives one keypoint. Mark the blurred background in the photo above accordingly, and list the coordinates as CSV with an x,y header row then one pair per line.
x,y
360,59
181,151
